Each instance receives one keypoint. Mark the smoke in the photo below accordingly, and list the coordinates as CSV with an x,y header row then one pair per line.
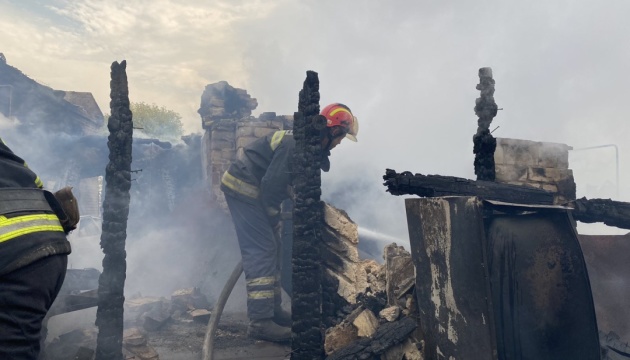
x,y
174,239
7,124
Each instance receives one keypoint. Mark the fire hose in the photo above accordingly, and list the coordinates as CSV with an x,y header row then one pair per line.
x,y
208,342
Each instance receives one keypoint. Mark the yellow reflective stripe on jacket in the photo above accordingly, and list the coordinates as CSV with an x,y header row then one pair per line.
x,y
38,182
11,228
268,280
239,186
264,294
276,139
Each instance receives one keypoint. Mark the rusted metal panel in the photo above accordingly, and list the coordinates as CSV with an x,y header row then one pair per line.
x,y
448,249
541,292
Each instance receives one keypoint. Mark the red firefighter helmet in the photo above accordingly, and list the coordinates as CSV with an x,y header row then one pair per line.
x,y
340,115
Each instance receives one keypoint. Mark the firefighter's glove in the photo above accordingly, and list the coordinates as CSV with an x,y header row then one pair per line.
x,y
273,214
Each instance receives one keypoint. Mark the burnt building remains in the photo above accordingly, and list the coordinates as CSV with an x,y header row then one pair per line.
x,y
490,259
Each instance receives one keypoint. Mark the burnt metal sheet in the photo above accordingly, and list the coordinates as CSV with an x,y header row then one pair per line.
x,y
448,249
609,270
542,298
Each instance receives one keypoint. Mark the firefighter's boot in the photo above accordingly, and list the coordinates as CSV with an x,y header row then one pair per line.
x,y
282,317
268,330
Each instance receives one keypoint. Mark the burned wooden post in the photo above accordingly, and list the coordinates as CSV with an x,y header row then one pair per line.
x,y
307,340
484,142
406,183
610,212
111,283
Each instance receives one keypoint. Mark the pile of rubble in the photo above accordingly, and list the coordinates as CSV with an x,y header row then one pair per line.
x,y
143,316
370,308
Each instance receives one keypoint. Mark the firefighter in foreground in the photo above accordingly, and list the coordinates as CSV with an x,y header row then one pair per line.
x,y
33,254
254,186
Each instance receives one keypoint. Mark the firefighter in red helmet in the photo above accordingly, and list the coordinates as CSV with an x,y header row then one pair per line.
x,y
254,186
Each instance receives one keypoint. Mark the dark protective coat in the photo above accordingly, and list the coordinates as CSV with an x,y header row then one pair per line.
x,y
255,185
33,260
23,250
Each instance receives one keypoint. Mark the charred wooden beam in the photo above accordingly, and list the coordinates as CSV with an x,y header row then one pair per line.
x,y
610,212
406,183
111,283
307,342
386,336
484,142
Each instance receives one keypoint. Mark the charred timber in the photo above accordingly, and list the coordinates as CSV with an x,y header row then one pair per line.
x,y
308,215
610,212
484,143
111,283
386,336
407,183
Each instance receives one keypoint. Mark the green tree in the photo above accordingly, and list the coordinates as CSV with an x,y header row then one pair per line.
x,y
157,121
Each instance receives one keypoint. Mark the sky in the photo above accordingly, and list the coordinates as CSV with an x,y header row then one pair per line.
x,y
407,69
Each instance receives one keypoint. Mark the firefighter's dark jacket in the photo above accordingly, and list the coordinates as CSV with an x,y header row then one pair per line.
x,y
263,171
27,236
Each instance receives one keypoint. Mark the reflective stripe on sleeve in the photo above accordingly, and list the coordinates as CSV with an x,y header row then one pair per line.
x,y
239,186
276,139
11,228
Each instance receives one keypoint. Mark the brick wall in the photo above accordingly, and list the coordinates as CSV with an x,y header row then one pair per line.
x,y
538,164
229,127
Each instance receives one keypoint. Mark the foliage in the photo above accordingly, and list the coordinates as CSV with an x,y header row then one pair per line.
x,y
157,121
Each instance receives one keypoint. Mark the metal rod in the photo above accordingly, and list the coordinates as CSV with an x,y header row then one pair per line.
x,y
616,159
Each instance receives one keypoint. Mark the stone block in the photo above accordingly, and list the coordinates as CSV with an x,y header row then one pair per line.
x,y
390,313
550,187
346,332
277,124
548,175
242,142
221,144
228,154
223,135
263,131
189,299
499,157
516,151
339,337
525,183
340,245
140,305
341,224
201,316
366,323
216,155
266,116
244,131
399,272
552,155
507,173
376,277
347,289
411,350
